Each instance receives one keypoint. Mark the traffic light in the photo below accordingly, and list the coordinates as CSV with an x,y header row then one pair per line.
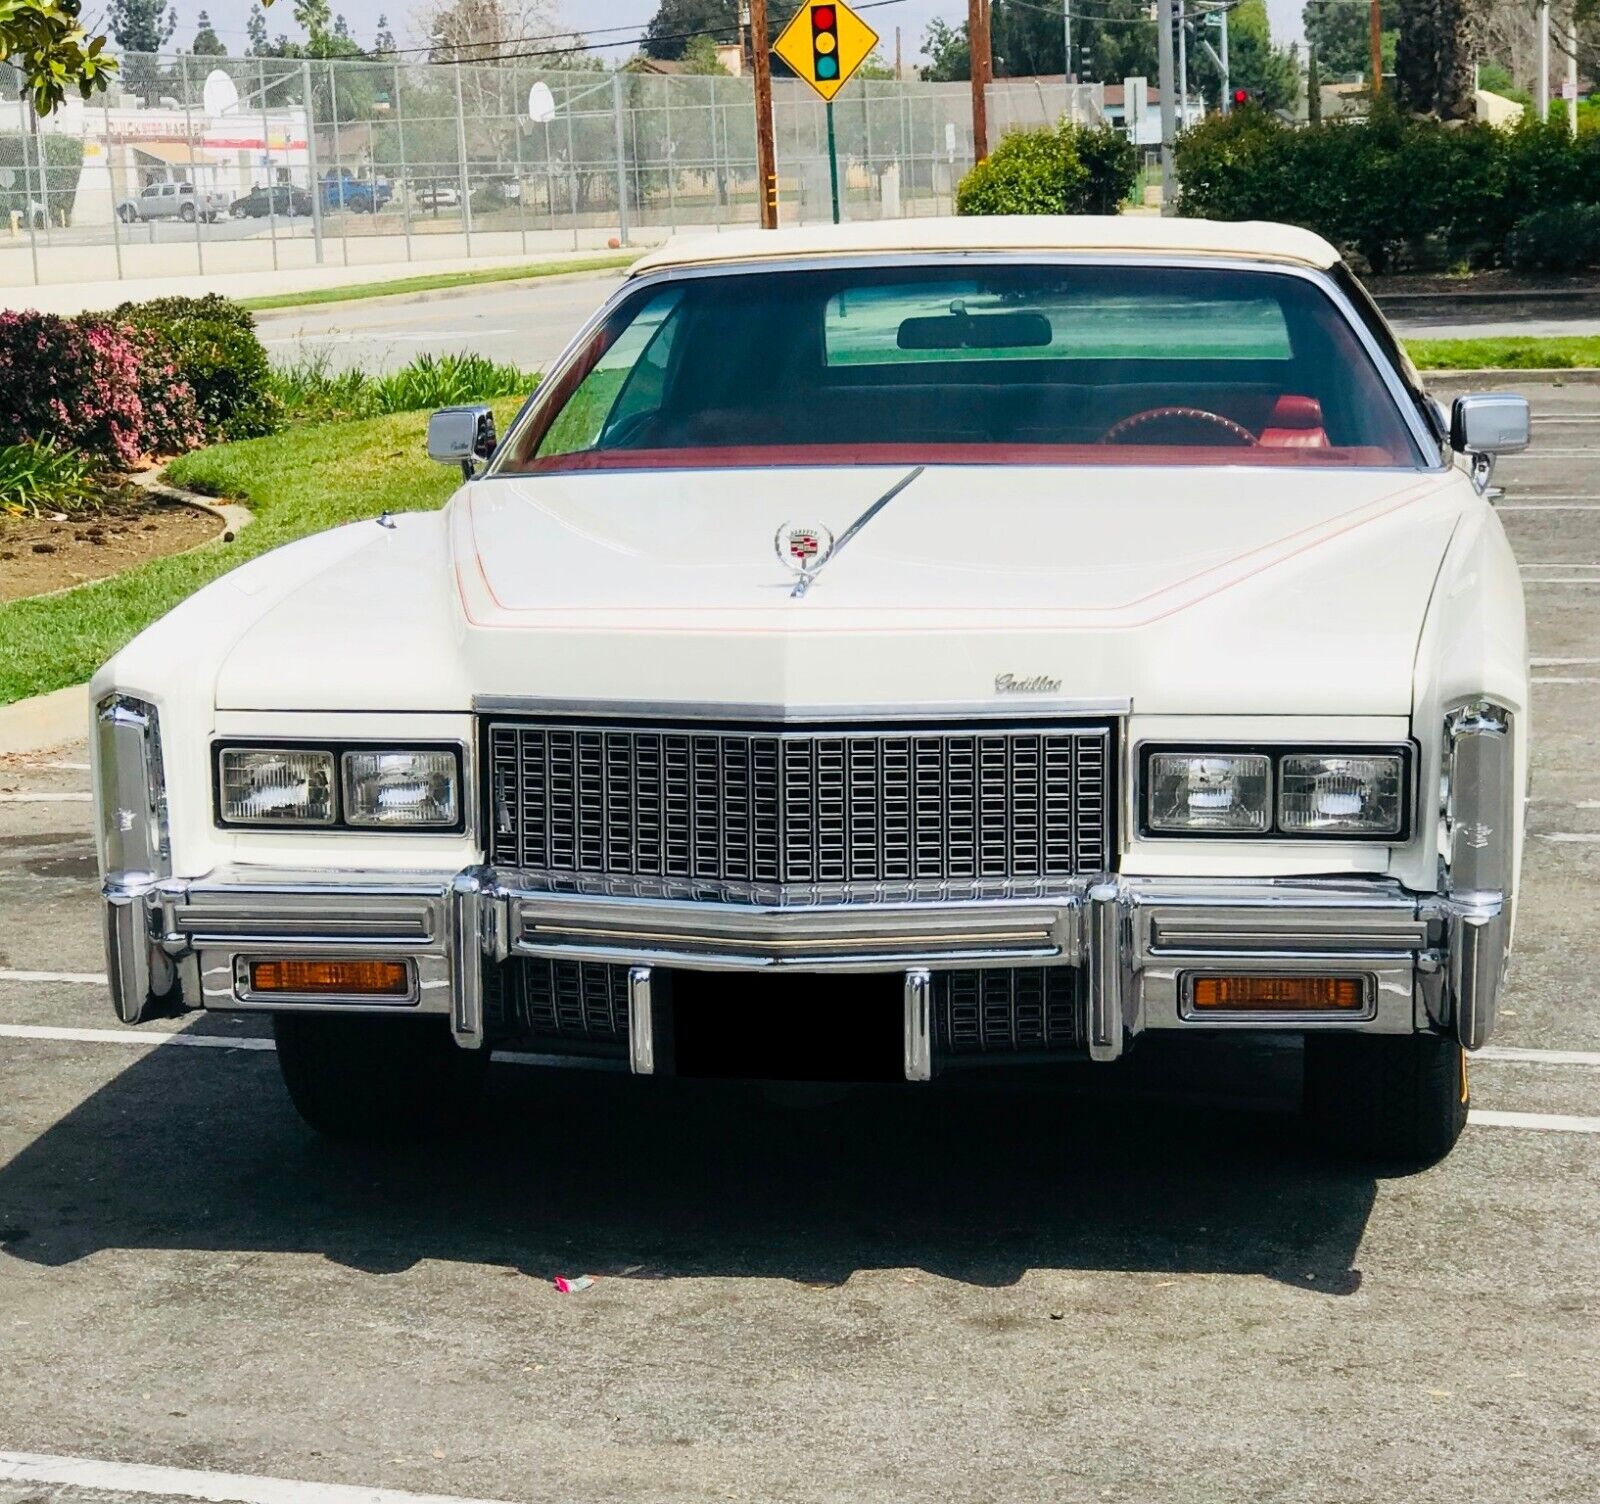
x,y
825,42
1240,97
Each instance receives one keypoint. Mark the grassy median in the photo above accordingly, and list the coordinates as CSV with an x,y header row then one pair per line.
x,y
434,281
1562,354
297,482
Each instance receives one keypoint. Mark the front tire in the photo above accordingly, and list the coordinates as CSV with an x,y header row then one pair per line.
x,y
1396,1100
375,1079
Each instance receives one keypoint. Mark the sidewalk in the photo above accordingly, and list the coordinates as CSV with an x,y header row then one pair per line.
x,y
78,297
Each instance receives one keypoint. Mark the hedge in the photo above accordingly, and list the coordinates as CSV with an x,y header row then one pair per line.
x,y
1072,169
1401,192
63,166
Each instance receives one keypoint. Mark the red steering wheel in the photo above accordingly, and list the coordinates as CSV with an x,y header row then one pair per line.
x,y
1173,423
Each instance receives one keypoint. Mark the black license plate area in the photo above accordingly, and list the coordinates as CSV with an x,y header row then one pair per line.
x,y
796,1027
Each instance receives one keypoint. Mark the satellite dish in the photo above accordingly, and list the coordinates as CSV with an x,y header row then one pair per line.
x,y
541,104
219,95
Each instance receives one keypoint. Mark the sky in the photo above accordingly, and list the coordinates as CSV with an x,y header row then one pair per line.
x,y
911,16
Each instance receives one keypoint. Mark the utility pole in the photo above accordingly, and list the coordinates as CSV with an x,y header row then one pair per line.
x,y
1227,77
978,52
1543,96
1066,41
1375,47
1183,64
1570,93
766,146
1164,76
898,75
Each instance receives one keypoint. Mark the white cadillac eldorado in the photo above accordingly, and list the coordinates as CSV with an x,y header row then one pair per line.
x,y
882,651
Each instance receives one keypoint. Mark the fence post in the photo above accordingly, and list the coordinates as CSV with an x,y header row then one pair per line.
x,y
338,166
188,131
405,171
522,188
27,195
622,171
111,189
572,167
311,159
461,148
266,151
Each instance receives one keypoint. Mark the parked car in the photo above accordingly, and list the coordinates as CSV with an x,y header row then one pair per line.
x,y
881,651
438,196
359,195
175,201
282,199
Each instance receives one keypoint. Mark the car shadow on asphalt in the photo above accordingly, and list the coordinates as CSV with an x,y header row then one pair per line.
x,y
570,1172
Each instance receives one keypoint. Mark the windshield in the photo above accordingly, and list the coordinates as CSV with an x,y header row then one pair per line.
x,y
962,364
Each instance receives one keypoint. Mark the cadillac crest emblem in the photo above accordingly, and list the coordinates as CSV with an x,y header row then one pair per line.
x,y
803,547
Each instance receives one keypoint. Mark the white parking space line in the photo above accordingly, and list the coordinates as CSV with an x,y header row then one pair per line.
x,y
67,798
1560,662
1562,679
1562,506
191,1483
129,1036
1547,1122
1569,837
1509,1055
87,978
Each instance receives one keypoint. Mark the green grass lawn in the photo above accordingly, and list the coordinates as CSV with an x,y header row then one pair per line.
x,y
432,282
301,481
1564,353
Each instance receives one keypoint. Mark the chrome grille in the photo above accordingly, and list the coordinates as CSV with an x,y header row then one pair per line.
x,y
775,815
1004,1011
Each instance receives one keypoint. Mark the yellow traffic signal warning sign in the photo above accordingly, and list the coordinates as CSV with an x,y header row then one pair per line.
x,y
825,43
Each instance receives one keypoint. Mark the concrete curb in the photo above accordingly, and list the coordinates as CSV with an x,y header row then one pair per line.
x,y
45,721
234,517
441,294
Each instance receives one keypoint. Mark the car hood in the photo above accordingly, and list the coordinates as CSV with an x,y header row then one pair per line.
x,y
1180,589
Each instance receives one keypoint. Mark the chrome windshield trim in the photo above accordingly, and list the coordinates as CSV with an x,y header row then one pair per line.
x,y
654,712
1434,458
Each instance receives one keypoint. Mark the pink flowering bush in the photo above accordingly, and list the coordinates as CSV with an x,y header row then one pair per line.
x,y
92,384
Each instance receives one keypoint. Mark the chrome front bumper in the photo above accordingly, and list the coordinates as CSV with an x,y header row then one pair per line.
x,y
1428,962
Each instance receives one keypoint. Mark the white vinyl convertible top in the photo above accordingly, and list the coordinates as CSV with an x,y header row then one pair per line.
x,y
1134,234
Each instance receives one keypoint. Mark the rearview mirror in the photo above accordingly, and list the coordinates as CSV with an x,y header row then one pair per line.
x,y
461,436
960,330
1490,423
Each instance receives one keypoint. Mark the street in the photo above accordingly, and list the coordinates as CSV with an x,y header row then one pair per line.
x,y
529,323
1136,1286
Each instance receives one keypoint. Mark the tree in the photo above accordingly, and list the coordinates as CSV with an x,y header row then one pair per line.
x,y
667,34
1112,40
255,28
1434,53
141,25
700,56
464,31
206,42
54,53
949,54
1336,31
383,41
1270,73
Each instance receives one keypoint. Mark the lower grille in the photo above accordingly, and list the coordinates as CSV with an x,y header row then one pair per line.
x,y
1001,1011
577,1006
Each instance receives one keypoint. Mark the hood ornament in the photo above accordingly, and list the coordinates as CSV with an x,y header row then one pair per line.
x,y
803,548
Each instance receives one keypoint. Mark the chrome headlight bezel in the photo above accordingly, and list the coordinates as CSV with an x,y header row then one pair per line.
x,y
1277,754
338,753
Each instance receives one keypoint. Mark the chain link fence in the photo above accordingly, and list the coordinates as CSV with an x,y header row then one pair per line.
x,y
211,165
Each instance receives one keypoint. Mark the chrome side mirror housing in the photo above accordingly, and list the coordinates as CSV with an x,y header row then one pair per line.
x,y
461,436
1486,425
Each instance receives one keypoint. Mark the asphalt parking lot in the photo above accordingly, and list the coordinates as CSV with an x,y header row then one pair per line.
x,y
1105,1293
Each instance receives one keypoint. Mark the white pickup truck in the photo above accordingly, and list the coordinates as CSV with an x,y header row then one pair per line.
x,y
175,201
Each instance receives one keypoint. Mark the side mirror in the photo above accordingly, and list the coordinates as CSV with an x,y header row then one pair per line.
x,y
1490,423
461,436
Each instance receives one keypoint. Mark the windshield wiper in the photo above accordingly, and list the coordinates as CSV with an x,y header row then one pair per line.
x,y
807,580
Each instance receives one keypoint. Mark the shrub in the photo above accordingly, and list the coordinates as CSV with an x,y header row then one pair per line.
x,y
36,477
1112,164
1029,172
1564,239
1401,191
72,381
211,344
19,187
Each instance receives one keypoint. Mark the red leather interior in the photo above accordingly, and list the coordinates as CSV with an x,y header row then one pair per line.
x,y
1294,423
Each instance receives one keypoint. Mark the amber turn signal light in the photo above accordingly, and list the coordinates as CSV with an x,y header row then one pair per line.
x,y
374,978
1279,994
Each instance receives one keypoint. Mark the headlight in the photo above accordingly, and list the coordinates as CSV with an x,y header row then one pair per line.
x,y
275,786
1286,792
1211,791
1319,794
413,789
